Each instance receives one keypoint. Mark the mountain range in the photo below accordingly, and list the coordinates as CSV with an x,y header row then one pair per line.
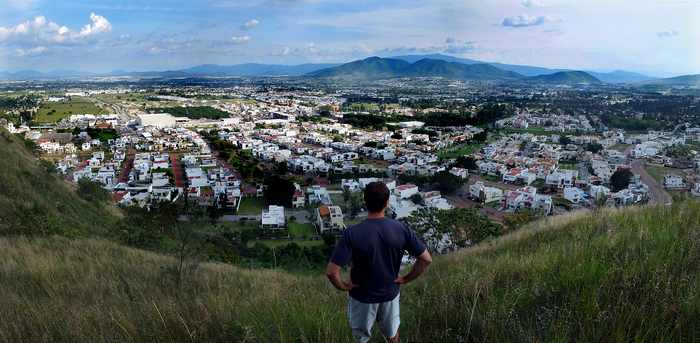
x,y
376,67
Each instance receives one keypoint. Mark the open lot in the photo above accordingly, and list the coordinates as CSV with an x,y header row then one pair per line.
x,y
251,206
51,112
298,230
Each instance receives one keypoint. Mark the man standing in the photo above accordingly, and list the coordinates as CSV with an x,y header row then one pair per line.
x,y
374,248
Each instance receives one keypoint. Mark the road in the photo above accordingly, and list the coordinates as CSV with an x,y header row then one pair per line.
x,y
657,193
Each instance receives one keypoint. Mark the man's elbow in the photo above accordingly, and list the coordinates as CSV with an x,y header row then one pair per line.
x,y
332,271
425,258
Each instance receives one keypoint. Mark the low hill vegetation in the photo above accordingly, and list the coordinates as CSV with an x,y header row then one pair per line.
x,y
607,276
628,275
36,201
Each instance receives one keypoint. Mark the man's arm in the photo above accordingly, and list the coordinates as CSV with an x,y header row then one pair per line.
x,y
422,262
333,275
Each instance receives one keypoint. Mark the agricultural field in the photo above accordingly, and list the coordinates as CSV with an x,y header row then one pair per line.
x,y
51,112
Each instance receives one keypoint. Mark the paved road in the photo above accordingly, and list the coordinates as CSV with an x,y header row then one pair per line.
x,y
657,194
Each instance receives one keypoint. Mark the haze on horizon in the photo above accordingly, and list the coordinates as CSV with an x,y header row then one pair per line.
x,y
655,37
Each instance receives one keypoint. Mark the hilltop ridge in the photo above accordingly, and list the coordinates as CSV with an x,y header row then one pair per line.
x,y
553,281
36,201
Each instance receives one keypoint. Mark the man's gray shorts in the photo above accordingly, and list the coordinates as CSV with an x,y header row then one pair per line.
x,y
362,317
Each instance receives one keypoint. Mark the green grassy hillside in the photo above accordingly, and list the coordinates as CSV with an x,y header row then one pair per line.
x,y
610,276
34,201
629,275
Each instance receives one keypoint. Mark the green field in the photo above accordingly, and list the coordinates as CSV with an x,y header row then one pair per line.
x,y
251,206
196,112
51,112
298,230
568,166
459,150
620,147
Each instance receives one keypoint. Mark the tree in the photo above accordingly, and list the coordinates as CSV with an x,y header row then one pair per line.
x,y
620,179
565,140
594,147
448,230
481,137
417,198
279,191
448,182
92,191
467,162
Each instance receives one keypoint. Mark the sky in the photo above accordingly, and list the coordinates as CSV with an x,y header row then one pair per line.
x,y
657,37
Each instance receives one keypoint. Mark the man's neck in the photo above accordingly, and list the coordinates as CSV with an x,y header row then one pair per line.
x,y
375,215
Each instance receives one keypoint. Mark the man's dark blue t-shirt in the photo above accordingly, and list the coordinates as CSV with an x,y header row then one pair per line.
x,y
375,248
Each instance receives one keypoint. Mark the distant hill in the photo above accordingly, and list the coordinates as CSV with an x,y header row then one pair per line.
x,y
618,76
378,68
565,78
368,68
683,80
441,57
254,69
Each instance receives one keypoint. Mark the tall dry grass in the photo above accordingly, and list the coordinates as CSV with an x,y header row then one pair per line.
x,y
610,276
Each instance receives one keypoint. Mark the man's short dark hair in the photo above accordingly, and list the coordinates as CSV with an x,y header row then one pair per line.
x,y
376,196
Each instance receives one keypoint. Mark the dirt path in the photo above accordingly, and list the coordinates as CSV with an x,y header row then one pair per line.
x,y
657,194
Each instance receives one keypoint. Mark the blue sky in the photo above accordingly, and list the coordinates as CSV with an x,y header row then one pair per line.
x,y
658,37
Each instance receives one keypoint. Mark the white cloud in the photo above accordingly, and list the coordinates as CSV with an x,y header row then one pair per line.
x,y
250,24
32,51
531,3
525,20
99,24
667,34
240,39
40,30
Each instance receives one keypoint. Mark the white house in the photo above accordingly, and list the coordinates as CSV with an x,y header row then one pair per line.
x,y
561,178
599,192
527,198
273,218
329,218
574,194
673,182
406,191
461,172
482,193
